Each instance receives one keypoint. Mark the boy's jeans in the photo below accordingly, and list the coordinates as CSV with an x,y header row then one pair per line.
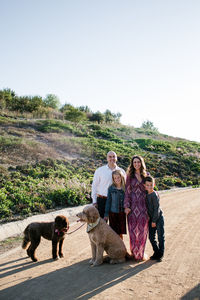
x,y
160,246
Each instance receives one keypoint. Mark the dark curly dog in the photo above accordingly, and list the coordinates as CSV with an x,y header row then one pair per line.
x,y
54,231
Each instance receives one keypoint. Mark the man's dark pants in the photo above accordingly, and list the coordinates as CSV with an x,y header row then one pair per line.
x,y
160,246
101,204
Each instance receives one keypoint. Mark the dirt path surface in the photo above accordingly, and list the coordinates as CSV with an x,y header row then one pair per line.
x,y
176,277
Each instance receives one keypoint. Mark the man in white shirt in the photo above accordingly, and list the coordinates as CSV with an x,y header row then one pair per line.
x,y
102,180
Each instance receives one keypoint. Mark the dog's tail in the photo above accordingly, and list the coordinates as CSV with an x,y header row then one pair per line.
x,y
26,238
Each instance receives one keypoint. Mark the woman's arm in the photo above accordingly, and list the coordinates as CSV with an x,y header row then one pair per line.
x,y
127,198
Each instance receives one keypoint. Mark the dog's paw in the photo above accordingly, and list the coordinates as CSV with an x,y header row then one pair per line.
x,y
113,261
97,263
117,261
61,255
55,258
91,262
34,259
106,259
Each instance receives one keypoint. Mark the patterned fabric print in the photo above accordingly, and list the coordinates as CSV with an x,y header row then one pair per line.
x,y
137,218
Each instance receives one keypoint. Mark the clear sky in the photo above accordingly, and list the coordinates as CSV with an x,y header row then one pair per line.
x,y
140,58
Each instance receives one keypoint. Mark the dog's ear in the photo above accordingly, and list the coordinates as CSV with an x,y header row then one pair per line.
x,y
92,215
58,221
61,222
93,219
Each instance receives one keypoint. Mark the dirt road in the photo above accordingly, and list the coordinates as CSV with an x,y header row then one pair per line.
x,y
176,277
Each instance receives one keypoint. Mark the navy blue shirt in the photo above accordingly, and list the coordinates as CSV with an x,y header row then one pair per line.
x,y
153,206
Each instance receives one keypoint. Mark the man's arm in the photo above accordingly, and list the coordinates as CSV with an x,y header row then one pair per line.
x,y
108,203
95,183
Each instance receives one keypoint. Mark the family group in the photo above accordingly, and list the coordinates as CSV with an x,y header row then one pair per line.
x,y
119,196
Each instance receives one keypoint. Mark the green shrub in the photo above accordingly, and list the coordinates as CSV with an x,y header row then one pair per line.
x,y
49,184
155,145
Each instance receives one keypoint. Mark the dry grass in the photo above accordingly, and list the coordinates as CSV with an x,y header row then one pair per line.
x,y
29,146
10,243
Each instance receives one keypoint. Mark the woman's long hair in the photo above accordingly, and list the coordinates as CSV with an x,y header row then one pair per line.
x,y
131,169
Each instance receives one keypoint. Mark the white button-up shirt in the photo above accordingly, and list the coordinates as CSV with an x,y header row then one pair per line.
x,y
102,180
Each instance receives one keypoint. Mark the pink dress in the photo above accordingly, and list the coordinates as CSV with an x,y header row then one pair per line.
x,y
138,218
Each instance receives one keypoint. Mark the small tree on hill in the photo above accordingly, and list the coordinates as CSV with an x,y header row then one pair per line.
x,y
66,107
109,118
20,104
52,101
148,125
75,115
117,117
35,103
84,108
2,101
7,96
97,117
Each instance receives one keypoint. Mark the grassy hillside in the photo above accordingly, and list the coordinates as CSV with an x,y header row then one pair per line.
x,y
46,164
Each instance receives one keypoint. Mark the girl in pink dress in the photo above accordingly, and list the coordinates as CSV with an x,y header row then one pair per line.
x,y
135,207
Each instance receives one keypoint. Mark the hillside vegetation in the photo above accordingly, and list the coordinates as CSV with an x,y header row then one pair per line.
x,y
49,163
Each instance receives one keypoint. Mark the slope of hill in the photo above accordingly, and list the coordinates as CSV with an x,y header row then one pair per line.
x,y
46,164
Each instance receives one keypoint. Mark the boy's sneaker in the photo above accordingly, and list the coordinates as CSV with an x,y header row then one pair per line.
x,y
160,255
159,259
155,256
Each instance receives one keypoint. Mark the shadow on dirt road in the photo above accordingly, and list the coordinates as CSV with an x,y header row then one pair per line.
x,y
78,281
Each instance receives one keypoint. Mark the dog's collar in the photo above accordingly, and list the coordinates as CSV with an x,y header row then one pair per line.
x,y
91,226
60,231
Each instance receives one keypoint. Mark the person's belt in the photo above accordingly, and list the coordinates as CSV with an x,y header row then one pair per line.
x,y
103,197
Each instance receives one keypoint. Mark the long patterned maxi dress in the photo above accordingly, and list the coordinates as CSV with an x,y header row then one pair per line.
x,y
138,218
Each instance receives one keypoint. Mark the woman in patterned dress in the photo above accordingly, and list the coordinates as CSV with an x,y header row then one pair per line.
x,y
135,207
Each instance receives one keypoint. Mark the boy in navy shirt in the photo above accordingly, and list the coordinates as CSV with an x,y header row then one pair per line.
x,y
156,219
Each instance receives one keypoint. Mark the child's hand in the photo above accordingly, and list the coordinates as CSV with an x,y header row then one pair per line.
x,y
127,211
153,224
106,219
